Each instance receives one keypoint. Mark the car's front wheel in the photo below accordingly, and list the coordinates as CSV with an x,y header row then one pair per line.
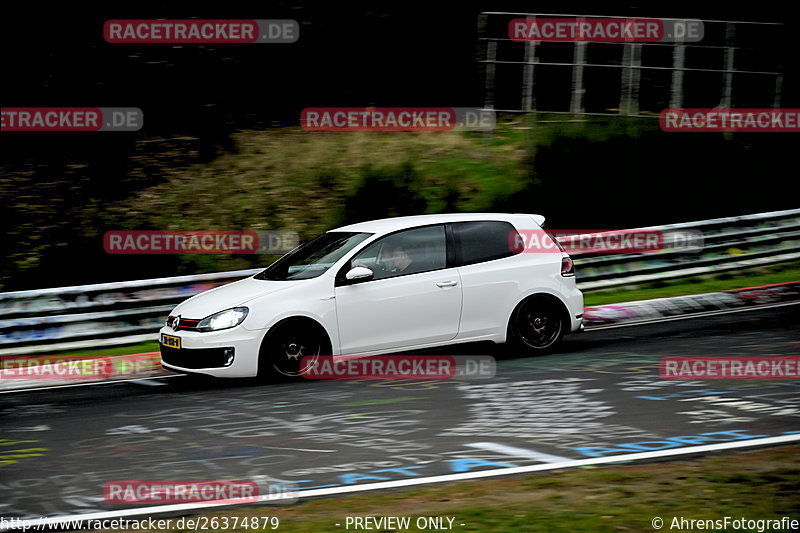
x,y
288,347
537,325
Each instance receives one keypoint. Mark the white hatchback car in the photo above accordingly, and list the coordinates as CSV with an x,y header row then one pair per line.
x,y
391,285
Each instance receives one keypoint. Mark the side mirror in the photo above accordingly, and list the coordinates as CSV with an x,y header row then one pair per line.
x,y
359,273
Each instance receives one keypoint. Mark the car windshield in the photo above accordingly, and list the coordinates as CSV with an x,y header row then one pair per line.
x,y
314,257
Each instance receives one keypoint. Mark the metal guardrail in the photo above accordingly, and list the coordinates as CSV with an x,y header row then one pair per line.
x,y
730,243
95,315
132,311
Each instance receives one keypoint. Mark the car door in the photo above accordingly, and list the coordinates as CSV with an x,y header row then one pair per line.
x,y
413,297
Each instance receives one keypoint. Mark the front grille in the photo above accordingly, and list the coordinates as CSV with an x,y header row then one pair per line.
x,y
199,358
186,324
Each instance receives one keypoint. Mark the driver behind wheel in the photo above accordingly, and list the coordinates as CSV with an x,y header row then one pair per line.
x,y
395,258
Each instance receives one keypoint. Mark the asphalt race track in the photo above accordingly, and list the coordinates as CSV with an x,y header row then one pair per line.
x,y
599,396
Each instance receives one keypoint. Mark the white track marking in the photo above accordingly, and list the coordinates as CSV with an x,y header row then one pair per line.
x,y
148,381
513,451
32,428
465,476
89,384
300,449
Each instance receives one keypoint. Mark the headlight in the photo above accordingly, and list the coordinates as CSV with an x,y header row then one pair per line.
x,y
223,320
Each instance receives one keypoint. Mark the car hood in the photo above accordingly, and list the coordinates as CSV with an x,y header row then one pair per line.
x,y
231,295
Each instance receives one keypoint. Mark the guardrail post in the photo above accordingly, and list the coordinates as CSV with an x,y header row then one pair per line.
x,y
528,81
678,60
727,79
631,75
579,60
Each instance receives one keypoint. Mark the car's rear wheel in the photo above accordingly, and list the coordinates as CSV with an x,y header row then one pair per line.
x,y
537,325
290,346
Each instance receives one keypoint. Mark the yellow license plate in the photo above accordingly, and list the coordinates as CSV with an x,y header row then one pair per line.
x,y
170,341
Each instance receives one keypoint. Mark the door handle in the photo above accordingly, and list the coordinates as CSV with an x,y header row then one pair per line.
x,y
447,284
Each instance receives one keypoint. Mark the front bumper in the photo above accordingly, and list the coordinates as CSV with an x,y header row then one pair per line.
x,y
198,358
209,353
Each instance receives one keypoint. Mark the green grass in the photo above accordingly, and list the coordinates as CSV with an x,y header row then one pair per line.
x,y
756,484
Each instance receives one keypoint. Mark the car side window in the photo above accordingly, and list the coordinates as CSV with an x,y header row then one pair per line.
x,y
405,252
483,241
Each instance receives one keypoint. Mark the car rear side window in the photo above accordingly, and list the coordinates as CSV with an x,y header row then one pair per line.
x,y
483,241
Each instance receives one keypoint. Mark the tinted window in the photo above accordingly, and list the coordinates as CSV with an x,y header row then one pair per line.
x,y
406,252
314,257
483,241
